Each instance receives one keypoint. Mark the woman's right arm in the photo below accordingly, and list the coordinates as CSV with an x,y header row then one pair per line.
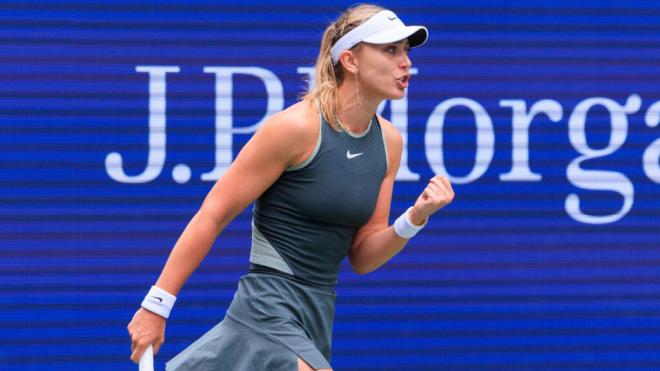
x,y
274,147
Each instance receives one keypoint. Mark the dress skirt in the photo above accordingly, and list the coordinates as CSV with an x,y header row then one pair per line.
x,y
272,321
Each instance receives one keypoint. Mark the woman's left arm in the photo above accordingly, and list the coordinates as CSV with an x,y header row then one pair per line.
x,y
375,243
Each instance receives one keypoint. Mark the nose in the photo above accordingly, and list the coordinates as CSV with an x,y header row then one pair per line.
x,y
406,62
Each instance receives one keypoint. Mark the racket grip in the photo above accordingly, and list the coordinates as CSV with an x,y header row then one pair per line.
x,y
147,359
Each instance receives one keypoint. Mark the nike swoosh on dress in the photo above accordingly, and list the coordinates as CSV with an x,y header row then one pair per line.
x,y
349,155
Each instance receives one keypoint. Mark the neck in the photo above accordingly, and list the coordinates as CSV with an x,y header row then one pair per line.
x,y
357,108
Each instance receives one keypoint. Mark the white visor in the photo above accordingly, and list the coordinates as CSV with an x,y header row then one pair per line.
x,y
382,28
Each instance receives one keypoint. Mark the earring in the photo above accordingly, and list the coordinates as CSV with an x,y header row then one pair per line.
x,y
357,88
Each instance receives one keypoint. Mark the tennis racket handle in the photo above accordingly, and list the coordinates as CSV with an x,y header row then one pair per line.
x,y
147,359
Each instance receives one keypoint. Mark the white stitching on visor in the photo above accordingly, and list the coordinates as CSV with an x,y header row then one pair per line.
x,y
383,22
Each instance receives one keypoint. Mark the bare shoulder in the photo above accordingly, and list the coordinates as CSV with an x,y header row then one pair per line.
x,y
294,129
295,120
392,136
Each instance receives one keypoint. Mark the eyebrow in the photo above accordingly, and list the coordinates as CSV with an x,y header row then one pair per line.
x,y
400,42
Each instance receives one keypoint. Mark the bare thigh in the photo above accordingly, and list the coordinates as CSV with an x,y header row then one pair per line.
x,y
303,366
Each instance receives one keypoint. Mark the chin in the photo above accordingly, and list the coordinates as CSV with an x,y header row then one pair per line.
x,y
391,94
398,95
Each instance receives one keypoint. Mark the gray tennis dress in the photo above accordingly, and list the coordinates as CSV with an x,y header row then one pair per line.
x,y
302,228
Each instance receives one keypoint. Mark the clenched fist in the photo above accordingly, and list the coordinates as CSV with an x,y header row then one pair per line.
x,y
437,194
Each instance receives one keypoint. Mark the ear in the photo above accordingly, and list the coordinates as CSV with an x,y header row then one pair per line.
x,y
348,59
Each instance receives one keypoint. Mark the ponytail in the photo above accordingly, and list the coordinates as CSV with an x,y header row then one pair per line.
x,y
328,75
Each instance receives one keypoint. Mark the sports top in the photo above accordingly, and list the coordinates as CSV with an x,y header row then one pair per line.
x,y
303,225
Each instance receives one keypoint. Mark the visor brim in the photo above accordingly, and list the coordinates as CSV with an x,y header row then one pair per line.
x,y
416,35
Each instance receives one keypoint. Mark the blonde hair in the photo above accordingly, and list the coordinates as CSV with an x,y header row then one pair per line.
x,y
328,75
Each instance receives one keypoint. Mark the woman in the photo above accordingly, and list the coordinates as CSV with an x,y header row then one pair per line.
x,y
322,173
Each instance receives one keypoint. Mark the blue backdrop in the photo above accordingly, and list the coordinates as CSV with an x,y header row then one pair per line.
x,y
117,116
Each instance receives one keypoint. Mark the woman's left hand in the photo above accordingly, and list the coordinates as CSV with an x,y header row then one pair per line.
x,y
437,194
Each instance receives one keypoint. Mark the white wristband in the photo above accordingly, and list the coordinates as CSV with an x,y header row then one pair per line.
x,y
159,301
404,228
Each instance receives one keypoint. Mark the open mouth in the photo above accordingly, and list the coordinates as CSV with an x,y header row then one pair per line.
x,y
403,80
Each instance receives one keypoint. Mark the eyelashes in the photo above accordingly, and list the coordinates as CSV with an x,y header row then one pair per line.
x,y
392,49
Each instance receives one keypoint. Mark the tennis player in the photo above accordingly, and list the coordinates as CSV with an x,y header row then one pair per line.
x,y
321,174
